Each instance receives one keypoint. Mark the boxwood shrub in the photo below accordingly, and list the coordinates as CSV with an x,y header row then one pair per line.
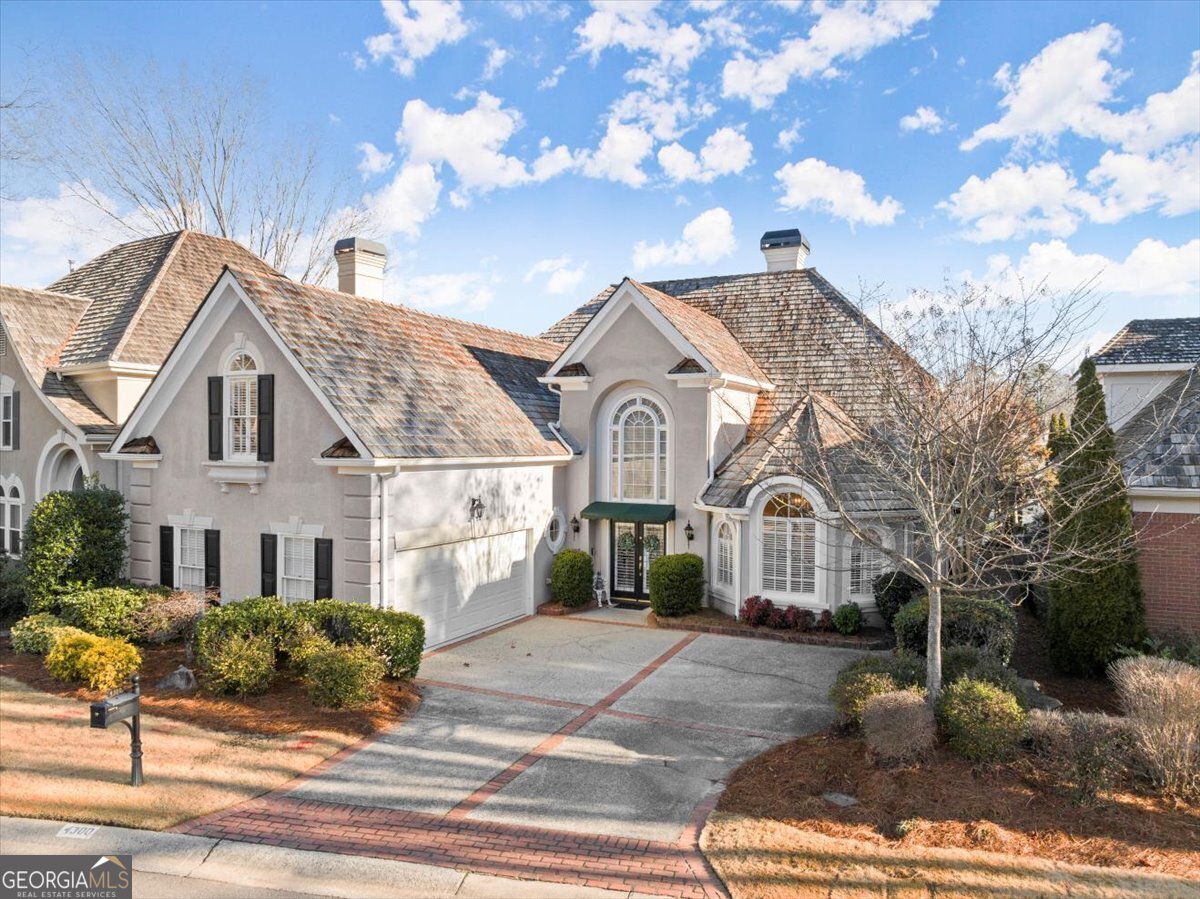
x,y
872,676
237,664
892,591
848,619
980,721
261,616
571,578
343,676
107,611
986,624
396,637
676,584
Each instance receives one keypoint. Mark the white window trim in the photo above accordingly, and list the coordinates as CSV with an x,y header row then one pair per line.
x,y
189,519
6,505
240,346
726,590
295,527
605,427
280,571
764,491
887,538
561,519
177,575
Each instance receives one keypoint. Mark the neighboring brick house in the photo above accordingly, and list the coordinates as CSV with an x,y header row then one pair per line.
x,y
1152,396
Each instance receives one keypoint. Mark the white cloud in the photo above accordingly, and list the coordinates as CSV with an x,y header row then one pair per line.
x,y
548,9
415,31
636,26
497,58
562,277
790,136
468,291
620,154
706,238
842,193
726,152
471,143
1130,183
374,161
1068,86
1015,202
843,32
666,117
551,80
924,119
1152,269
408,200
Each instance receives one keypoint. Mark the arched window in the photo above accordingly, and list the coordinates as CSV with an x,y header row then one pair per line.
x,y
241,405
725,554
638,438
867,562
789,545
10,523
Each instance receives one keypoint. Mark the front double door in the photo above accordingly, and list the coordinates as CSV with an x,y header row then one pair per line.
x,y
634,546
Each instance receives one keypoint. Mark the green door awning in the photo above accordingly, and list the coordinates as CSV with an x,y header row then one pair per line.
x,y
653,513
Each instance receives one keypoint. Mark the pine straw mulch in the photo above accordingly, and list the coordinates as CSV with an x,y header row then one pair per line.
x,y
710,620
1012,809
284,709
1031,658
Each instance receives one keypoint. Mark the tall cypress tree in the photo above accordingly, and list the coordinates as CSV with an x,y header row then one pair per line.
x,y
1096,598
1059,438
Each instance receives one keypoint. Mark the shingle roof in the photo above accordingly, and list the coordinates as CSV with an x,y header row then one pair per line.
x,y
412,384
1161,442
794,325
144,293
789,446
38,324
1150,340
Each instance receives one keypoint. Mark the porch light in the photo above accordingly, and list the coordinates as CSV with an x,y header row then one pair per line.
x,y
574,524
689,532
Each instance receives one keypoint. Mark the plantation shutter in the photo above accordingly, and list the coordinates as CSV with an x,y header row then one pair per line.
x,y
166,555
774,554
803,555
323,571
216,390
212,560
266,418
270,561
16,419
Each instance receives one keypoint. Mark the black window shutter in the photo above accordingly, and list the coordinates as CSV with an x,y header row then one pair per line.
x,y
270,560
323,582
166,555
16,419
266,418
216,396
212,560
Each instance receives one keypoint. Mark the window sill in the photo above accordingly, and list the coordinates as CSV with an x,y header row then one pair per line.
x,y
250,472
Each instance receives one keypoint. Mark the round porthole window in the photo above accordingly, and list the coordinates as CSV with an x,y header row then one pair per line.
x,y
556,531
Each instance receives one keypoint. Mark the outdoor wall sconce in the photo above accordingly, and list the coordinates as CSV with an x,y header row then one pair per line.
x,y
689,532
574,524
476,510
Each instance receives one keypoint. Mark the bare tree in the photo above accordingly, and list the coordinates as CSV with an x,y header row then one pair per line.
x,y
954,443
160,154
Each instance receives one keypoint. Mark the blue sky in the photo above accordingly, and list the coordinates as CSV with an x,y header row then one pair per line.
x,y
520,155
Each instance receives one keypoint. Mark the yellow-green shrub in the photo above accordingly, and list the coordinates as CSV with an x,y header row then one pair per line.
x,y
35,634
980,721
238,664
62,661
103,663
344,676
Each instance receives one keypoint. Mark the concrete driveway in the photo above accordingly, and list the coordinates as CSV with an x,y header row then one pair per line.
x,y
588,727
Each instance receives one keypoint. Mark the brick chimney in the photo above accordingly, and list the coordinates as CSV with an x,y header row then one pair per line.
x,y
785,251
360,267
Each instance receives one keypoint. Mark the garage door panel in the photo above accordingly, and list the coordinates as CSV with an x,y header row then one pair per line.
x,y
463,587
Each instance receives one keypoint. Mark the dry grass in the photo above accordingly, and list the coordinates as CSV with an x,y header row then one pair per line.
x,y
53,765
761,859
1016,808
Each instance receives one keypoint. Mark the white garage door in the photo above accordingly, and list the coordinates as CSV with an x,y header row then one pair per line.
x,y
464,587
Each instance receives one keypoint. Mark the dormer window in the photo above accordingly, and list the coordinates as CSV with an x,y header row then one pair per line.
x,y
241,416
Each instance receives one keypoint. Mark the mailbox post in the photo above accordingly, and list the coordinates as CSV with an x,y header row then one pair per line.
x,y
126,708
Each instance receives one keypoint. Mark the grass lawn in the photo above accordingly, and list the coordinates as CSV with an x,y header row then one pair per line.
x,y
764,859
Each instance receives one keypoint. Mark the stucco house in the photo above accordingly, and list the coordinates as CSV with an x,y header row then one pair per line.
x,y
76,357
1151,376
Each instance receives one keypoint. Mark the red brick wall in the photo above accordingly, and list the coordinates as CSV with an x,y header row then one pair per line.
x,y
1169,556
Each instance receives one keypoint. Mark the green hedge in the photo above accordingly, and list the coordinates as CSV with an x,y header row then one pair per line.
x,y
848,619
986,624
873,676
893,590
107,611
14,602
261,616
396,637
74,537
980,721
344,676
571,578
237,664
676,584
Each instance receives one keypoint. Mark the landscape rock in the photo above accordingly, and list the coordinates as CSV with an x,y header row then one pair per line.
x,y
1036,698
840,799
179,679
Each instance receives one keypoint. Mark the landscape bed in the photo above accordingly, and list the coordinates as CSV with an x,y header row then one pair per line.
x,y
711,621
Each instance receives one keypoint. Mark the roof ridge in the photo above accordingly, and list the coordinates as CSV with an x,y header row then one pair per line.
x,y
404,308
176,242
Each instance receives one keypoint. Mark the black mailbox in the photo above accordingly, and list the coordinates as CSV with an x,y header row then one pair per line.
x,y
126,709
114,709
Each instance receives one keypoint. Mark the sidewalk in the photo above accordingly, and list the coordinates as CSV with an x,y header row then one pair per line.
x,y
207,863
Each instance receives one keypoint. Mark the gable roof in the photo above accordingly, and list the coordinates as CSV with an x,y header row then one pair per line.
x,y
1153,340
38,324
783,322
412,384
1162,441
143,293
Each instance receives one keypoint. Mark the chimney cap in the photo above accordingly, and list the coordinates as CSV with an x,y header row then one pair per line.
x,y
791,237
359,244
